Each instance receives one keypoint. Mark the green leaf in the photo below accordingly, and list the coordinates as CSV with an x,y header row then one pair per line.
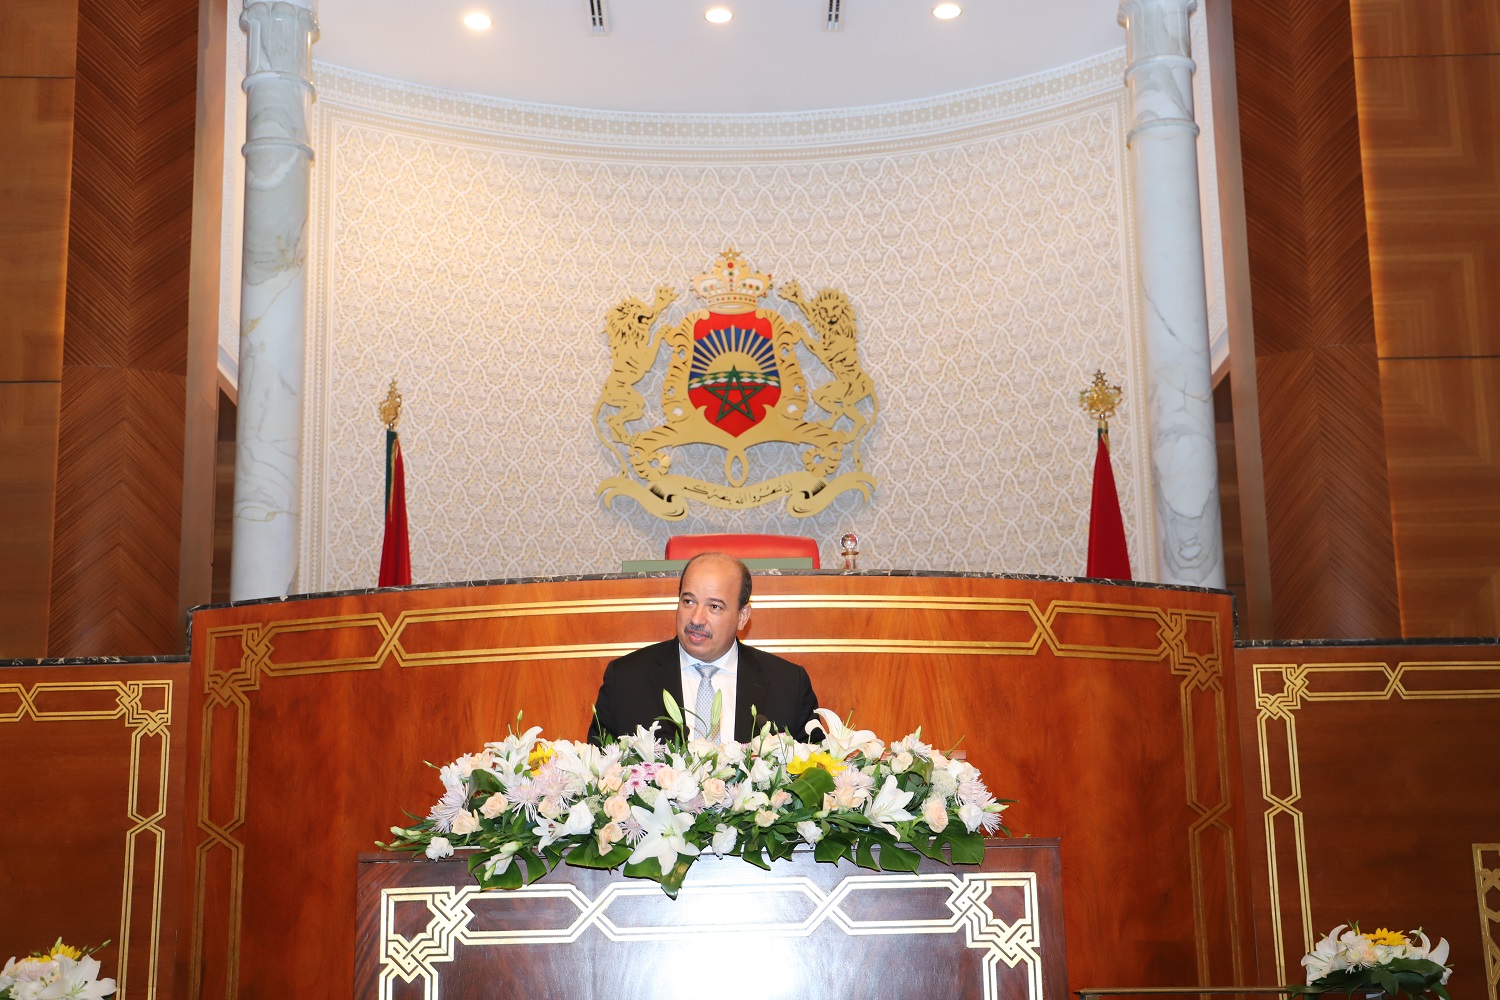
x,y
831,849
1385,980
586,855
966,848
811,785
671,882
898,859
536,866
485,780
863,856
648,868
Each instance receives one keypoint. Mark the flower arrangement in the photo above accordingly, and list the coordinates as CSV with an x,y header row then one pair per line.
x,y
524,804
61,972
1348,962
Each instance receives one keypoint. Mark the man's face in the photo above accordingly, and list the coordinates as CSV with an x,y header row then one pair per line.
x,y
708,611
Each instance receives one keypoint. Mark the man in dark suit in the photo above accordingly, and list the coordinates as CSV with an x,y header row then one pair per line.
x,y
706,658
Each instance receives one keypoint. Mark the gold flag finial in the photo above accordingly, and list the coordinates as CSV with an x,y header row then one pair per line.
x,y
1100,400
390,409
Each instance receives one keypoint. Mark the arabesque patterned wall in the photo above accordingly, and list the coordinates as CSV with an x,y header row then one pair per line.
x,y
469,248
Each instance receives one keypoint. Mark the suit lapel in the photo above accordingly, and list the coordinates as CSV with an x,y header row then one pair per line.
x,y
668,671
749,689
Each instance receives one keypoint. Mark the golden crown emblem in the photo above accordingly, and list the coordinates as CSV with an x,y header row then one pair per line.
x,y
730,286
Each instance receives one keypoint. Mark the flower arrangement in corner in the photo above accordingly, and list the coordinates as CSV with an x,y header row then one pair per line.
x,y
524,804
1347,962
61,972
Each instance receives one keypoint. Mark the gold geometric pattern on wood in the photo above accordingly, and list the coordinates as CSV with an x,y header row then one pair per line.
x,y
1487,888
1281,690
145,707
241,657
452,912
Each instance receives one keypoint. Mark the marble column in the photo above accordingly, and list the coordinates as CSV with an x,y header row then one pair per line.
x,y
1164,176
273,297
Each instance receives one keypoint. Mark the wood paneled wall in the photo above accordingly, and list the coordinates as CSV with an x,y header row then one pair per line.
x,y
117,536
1332,557
36,136
1428,73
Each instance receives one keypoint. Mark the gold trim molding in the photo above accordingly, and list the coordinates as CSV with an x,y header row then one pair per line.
x,y
451,912
1188,642
1487,889
1282,690
145,707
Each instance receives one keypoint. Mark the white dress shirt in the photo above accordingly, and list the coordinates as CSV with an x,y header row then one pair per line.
x,y
724,683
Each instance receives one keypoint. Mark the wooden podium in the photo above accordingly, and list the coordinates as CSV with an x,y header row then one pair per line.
x,y
802,929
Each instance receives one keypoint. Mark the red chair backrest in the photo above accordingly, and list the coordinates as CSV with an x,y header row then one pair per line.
x,y
745,546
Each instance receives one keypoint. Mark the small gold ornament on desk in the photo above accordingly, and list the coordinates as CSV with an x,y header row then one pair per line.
x,y
390,408
849,549
1100,400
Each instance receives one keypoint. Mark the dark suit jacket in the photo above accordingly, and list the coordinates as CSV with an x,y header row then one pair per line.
x,y
631,693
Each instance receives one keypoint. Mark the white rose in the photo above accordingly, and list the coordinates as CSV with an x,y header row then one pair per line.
x,y
760,773
970,814
616,807
714,791
810,831
873,749
724,838
550,807
665,777
901,763
765,817
612,779
438,847
780,798
465,822
935,814
493,806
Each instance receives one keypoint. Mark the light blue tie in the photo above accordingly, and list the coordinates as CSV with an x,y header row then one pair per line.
x,y
705,702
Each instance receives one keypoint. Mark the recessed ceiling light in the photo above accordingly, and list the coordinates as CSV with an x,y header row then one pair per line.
x,y
718,15
477,21
947,11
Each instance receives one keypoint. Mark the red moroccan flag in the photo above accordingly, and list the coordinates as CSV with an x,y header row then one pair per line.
x,y
395,554
1108,557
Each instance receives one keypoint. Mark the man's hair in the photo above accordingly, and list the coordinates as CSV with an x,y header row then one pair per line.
x,y
744,573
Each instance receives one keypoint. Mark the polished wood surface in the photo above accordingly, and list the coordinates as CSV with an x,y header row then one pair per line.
x,y
36,130
1427,74
1106,710
1431,129
1370,777
28,440
1425,27
38,38
801,930
91,803
120,456
1332,559
1443,432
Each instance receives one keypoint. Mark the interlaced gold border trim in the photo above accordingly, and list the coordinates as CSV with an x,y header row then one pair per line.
x,y
1281,690
227,687
451,910
1487,883
146,837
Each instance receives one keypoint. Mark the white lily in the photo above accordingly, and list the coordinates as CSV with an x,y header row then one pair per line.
x,y
838,739
889,806
665,834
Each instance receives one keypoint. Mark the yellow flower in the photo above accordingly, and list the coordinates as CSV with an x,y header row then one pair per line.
x,y
821,759
60,949
1383,936
539,755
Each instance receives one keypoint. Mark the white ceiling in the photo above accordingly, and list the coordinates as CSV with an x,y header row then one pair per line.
x,y
662,56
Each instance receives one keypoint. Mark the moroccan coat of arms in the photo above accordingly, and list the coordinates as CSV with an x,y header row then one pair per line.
x,y
734,382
